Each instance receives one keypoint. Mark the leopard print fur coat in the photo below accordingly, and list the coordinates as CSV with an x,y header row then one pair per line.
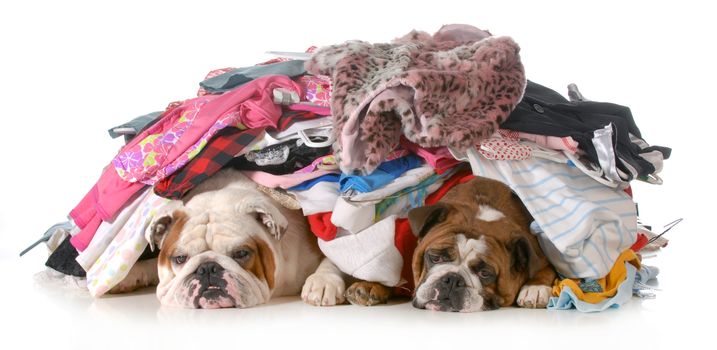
x,y
449,89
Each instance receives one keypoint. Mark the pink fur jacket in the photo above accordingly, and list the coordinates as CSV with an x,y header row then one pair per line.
x,y
449,89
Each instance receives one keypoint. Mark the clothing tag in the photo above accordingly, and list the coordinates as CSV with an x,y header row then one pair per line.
x,y
285,97
124,131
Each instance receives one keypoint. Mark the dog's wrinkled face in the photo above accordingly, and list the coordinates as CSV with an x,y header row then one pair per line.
x,y
455,274
468,268
214,259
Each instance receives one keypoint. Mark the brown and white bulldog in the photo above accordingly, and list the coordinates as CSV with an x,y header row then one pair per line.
x,y
226,244
476,252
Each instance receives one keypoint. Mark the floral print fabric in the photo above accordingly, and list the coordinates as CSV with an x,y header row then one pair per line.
x,y
185,130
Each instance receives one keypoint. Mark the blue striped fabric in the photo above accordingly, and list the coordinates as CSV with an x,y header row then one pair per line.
x,y
582,225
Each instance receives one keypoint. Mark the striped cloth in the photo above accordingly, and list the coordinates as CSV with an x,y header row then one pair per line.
x,y
582,225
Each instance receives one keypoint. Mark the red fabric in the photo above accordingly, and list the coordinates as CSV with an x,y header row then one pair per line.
x,y
628,190
640,243
321,225
289,117
406,243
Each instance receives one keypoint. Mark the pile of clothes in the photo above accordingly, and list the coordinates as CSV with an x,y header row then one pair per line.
x,y
357,134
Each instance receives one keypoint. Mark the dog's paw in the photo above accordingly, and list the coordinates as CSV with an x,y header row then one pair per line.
x,y
142,274
131,283
323,289
534,297
367,293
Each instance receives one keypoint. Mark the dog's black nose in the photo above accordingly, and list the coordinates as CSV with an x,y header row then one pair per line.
x,y
209,268
451,282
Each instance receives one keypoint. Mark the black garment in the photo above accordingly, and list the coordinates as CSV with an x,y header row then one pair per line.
x,y
543,111
63,260
286,157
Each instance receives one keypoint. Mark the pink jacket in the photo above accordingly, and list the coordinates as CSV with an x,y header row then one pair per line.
x,y
169,144
185,130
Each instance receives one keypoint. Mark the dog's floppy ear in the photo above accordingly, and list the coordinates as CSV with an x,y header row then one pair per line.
x,y
422,219
266,214
523,258
158,227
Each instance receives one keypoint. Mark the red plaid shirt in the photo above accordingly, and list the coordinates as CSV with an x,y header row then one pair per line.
x,y
223,147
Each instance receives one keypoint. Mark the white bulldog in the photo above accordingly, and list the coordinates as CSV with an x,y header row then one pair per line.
x,y
226,244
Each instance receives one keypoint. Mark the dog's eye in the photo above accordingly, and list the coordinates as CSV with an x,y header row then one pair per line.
x,y
485,274
484,271
180,259
435,259
241,254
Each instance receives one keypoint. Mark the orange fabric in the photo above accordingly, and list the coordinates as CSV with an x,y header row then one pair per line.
x,y
609,283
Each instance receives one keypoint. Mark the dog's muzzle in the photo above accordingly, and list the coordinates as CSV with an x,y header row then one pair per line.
x,y
212,284
450,293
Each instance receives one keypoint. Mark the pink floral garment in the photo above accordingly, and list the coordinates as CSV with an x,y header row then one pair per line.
x,y
184,131
317,89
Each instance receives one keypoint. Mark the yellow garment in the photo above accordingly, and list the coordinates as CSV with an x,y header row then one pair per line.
x,y
609,283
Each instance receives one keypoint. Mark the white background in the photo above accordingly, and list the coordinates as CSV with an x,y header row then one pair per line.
x,y
71,69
